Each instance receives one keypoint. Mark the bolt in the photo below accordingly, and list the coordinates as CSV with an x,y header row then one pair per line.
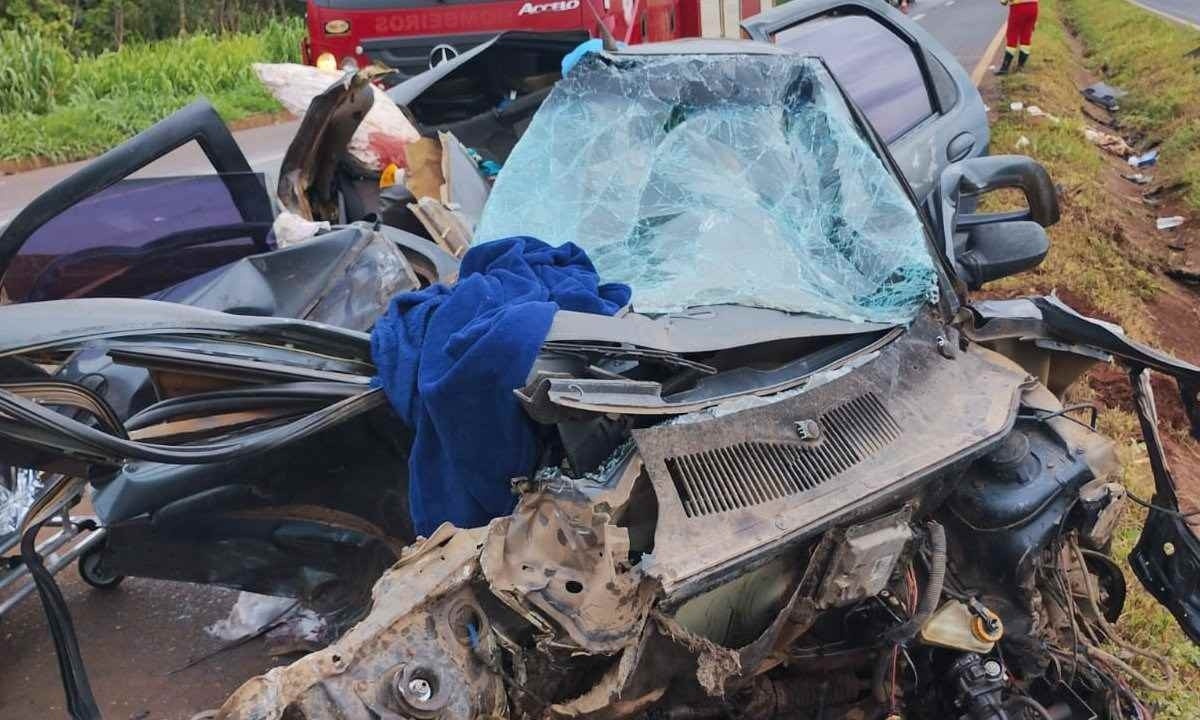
x,y
420,690
992,669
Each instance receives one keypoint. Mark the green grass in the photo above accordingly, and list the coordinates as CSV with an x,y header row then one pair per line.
x,y
55,107
1085,256
1153,59
1088,255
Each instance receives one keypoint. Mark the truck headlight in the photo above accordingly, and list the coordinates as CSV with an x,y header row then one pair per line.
x,y
327,62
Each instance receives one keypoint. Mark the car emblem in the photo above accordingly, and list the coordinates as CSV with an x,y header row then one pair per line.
x,y
440,54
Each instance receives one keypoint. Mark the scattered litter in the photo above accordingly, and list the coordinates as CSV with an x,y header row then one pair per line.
x,y
1022,143
290,228
1139,178
1146,159
1037,112
1166,223
286,624
249,614
1113,144
1017,106
1104,95
381,137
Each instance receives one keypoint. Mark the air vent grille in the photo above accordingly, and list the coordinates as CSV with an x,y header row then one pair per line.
x,y
751,473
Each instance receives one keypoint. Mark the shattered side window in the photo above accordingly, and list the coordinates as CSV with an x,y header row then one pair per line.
x,y
716,179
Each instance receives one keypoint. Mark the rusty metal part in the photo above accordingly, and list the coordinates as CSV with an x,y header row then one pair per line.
x,y
797,616
559,557
666,656
416,654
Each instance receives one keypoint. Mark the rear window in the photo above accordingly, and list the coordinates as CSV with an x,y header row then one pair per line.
x,y
877,69
136,237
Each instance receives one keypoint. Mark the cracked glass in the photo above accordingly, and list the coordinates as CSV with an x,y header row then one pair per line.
x,y
716,179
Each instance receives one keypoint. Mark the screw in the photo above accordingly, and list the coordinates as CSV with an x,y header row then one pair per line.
x,y
992,668
420,689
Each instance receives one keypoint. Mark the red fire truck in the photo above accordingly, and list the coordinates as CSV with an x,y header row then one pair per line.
x,y
413,35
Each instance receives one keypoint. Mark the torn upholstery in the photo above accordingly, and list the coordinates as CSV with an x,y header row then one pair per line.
x,y
450,357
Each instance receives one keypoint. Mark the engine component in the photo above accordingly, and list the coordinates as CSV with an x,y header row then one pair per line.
x,y
979,684
864,561
954,626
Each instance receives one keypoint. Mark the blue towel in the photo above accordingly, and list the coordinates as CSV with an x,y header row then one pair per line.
x,y
450,357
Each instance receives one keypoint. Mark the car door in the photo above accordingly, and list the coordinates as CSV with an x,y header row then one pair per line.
x,y
106,232
911,88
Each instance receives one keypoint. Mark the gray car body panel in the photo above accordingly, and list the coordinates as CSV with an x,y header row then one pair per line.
x,y
924,151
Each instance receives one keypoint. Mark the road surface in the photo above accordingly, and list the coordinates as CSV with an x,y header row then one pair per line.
x,y
133,636
1185,11
965,27
264,148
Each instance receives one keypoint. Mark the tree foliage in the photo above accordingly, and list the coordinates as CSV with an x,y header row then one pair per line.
x,y
84,27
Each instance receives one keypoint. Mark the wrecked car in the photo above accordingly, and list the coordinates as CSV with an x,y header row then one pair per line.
x,y
781,464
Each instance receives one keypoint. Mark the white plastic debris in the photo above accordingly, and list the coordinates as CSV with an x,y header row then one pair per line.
x,y
1016,106
1022,143
250,614
381,137
1113,144
1146,159
290,228
16,498
1166,223
1037,112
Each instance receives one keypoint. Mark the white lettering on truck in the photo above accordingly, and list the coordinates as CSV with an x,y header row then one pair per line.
x,y
557,6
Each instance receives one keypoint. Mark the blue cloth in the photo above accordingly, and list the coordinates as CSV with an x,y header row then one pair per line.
x,y
595,45
450,357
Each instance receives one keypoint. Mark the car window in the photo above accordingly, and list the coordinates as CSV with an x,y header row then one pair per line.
x,y
877,69
137,237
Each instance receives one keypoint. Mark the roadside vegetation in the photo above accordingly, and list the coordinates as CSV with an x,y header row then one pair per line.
x,y
1093,260
1158,62
70,91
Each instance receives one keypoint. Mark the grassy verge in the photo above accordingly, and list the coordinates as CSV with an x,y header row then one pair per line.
x,y
59,108
1086,255
1158,62
1090,255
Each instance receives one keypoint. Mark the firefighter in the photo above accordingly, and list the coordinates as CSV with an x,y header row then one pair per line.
x,y
1022,19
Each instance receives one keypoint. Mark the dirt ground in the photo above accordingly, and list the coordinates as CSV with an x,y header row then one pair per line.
x,y
131,638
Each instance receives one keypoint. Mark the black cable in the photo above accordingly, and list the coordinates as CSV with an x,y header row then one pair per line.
x,y
1184,516
1043,416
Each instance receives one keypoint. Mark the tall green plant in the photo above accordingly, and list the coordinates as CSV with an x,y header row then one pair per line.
x,y
35,71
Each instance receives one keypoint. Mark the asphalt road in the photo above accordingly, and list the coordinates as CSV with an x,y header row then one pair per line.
x,y
965,27
133,636
264,148
1186,11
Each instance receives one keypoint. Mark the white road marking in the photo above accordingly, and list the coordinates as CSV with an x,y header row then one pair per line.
x,y
918,16
949,3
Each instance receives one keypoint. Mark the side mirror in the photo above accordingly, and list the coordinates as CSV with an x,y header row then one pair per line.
x,y
988,246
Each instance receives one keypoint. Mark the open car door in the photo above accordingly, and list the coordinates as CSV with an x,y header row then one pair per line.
x,y
912,90
104,233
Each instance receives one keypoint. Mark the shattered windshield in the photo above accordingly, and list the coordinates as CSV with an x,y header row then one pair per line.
x,y
716,179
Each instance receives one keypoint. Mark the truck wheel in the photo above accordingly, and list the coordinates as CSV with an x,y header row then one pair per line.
x,y
93,572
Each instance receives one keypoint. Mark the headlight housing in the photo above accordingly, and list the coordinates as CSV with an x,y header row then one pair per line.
x,y
327,62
